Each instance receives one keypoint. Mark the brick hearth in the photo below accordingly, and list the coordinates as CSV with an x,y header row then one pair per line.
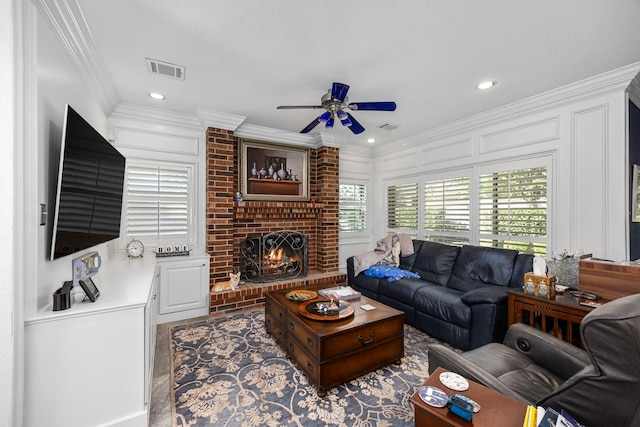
x,y
230,222
251,295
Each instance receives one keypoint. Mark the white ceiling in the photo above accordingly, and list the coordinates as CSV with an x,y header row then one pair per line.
x,y
245,57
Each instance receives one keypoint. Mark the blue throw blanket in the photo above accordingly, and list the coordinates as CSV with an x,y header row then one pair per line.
x,y
391,273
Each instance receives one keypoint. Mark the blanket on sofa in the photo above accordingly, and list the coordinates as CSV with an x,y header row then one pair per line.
x,y
398,242
391,273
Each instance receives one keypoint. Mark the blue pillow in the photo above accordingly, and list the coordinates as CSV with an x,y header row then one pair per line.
x,y
391,273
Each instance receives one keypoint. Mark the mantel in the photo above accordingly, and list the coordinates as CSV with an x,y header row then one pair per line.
x,y
265,209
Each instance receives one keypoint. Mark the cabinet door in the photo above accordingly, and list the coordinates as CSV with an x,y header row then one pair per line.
x,y
184,285
150,322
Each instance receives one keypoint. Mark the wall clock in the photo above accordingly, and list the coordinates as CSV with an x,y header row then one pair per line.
x,y
135,249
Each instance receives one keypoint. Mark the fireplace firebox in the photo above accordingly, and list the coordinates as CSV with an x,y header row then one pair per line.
x,y
279,255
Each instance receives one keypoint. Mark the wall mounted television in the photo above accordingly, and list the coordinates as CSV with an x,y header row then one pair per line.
x,y
89,191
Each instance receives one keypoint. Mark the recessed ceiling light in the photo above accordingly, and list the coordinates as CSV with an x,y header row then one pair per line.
x,y
371,140
486,85
156,95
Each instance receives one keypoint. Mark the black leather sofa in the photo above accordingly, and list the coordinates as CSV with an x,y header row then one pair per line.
x,y
460,296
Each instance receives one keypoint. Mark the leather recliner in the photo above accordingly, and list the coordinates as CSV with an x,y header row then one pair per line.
x,y
598,387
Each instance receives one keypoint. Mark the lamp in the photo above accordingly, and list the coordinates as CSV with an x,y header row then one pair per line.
x,y
344,118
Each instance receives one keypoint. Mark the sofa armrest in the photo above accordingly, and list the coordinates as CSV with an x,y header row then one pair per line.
x,y
559,357
486,295
350,269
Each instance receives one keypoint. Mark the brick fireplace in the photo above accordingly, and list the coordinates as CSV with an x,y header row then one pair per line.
x,y
229,222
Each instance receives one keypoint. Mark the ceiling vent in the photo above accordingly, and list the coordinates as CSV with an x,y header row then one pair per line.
x,y
388,126
165,69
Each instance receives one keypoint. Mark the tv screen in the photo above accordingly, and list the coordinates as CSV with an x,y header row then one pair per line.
x,y
89,192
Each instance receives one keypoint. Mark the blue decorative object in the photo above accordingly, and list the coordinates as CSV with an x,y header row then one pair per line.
x,y
391,273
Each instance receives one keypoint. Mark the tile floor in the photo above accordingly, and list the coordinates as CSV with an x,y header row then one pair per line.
x,y
160,408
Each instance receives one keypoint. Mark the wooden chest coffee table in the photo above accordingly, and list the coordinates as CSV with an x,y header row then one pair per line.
x,y
333,352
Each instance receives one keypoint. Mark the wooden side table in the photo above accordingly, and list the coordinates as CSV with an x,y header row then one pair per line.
x,y
495,409
560,315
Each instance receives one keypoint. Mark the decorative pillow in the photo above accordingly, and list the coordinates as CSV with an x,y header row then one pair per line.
x,y
393,259
391,273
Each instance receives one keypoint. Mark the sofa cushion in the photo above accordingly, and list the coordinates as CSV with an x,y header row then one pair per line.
x,y
406,262
435,261
402,290
478,266
523,264
443,303
369,284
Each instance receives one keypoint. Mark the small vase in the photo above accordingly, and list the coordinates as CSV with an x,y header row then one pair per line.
x,y
282,174
272,170
254,171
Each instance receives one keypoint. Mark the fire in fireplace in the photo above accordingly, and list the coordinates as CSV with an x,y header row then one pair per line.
x,y
275,256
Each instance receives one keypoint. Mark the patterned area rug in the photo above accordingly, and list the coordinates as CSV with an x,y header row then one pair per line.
x,y
230,372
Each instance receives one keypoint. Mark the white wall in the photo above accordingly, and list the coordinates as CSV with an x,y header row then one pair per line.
x,y
56,82
581,128
7,312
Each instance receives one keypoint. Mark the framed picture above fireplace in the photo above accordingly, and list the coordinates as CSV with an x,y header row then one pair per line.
x,y
273,171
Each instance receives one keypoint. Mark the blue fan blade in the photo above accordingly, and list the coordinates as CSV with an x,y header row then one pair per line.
x,y
376,106
310,126
339,91
355,127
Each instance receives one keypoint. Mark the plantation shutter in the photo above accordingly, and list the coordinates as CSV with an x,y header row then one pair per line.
x,y
447,213
353,208
402,208
513,210
157,201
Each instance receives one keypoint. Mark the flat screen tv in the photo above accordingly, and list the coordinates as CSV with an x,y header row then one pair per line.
x,y
89,190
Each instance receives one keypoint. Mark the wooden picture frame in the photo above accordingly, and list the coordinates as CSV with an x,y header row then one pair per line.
x,y
288,178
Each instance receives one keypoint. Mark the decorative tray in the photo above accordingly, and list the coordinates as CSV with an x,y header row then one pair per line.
x,y
326,309
301,295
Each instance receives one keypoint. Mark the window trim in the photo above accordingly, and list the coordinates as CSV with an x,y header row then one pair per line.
x,y
545,160
192,204
365,205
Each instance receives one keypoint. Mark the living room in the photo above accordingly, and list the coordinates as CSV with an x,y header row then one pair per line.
x,y
577,130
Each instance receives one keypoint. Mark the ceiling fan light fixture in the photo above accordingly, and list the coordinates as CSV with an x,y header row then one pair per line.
x,y
486,85
324,117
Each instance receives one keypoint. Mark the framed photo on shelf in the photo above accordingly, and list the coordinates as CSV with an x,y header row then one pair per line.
x,y
269,171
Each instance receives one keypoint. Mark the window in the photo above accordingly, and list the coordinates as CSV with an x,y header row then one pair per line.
x,y
353,208
159,202
513,210
447,210
402,208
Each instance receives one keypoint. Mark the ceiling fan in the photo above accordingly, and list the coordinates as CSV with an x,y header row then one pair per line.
x,y
335,102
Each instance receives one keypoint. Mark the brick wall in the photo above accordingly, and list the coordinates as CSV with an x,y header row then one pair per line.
x,y
229,222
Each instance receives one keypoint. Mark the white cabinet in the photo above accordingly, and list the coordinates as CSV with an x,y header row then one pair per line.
x,y
184,287
91,365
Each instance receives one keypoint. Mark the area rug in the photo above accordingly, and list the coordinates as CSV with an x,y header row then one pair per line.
x,y
230,372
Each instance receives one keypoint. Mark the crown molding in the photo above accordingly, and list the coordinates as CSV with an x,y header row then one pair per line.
x,y
264,133
156,117
634,90
215,119
68,22
615,80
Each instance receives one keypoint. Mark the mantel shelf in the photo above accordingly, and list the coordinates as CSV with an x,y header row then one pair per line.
x,y
277,208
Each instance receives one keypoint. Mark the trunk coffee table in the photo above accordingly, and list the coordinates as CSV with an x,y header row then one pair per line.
x,y
331,352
